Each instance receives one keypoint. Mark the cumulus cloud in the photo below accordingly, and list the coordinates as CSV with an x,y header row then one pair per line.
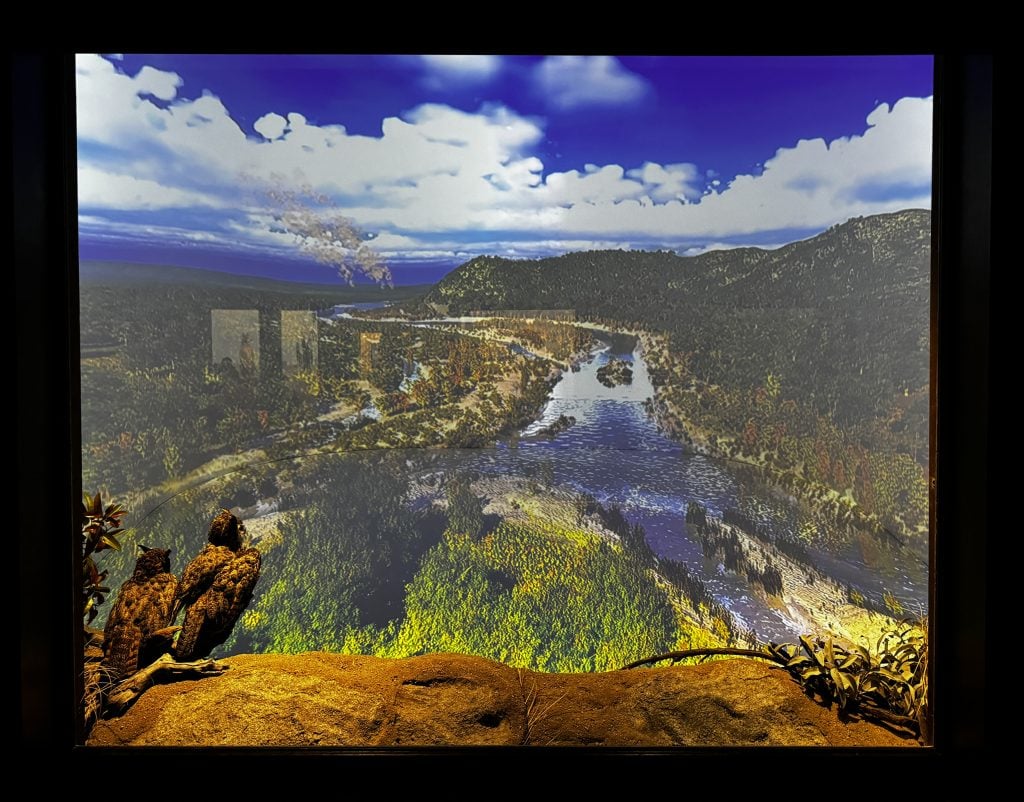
x,y
436,173
158,83
270,126
461,69
669,182
570,82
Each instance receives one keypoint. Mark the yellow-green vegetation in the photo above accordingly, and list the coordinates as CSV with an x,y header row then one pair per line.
x,y
531,597
351,566
529,594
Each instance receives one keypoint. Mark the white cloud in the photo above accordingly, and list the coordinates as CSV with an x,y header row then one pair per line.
x,y
729,246
461,69
161,85
104,228
103,190
671,182
113,112
270,126
570,82
438,172
599,185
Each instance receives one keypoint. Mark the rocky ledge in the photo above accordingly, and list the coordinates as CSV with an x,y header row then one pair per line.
x,y
319,699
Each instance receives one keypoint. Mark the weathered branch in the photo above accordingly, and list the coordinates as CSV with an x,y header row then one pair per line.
x,y
125,693
675,657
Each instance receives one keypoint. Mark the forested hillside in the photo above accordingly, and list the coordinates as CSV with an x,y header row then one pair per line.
x,y
811,359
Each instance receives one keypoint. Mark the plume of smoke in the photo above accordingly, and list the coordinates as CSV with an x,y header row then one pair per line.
x,y
330,238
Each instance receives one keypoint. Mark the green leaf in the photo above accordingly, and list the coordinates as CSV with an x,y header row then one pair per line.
x,y
840,679
809,648
110,542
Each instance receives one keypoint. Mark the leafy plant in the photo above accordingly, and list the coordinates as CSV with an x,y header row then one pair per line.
x,y
890,684
101,526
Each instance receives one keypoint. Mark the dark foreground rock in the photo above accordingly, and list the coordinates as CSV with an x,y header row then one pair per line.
x,y
319,699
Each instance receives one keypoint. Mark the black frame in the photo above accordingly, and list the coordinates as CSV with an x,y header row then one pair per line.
x,y
44,229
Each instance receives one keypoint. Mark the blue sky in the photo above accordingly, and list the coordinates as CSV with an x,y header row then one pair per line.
x,y
233,162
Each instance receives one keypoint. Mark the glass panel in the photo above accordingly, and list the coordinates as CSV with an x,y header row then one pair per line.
x,y
562,362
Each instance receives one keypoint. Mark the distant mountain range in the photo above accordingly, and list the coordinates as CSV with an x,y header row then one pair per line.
x,y
865,261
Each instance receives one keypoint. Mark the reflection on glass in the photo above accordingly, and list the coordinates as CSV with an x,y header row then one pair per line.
x,y
299,346
235,334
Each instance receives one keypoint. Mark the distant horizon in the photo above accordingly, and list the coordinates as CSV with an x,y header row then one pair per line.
x,y
293,271
305,271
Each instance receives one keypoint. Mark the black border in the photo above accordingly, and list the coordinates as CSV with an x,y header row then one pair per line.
x,y
41,177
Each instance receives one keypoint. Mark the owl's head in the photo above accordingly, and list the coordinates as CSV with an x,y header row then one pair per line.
x,y
152,562
227,530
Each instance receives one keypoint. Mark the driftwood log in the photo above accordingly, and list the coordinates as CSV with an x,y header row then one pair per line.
x,y
106,696
165,669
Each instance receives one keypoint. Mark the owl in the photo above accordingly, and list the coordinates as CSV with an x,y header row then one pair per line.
x,y
138,628
215,588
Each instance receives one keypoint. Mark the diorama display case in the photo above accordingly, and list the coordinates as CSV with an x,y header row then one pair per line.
x,y
49,440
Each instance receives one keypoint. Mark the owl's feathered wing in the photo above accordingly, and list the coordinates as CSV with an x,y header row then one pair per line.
x,y
210,620
142,609
199,575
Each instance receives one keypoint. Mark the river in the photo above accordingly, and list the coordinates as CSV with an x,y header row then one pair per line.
x,y
616,453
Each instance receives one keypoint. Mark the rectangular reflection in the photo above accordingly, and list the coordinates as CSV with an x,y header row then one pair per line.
x,y
298,342
235,336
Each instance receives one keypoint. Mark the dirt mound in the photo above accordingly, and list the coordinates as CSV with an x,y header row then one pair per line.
x,y
319,699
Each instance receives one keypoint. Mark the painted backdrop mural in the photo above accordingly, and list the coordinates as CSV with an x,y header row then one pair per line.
x,y
563,361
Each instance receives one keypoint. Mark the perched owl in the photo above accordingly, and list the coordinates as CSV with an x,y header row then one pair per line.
x,y
138,628
215,588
